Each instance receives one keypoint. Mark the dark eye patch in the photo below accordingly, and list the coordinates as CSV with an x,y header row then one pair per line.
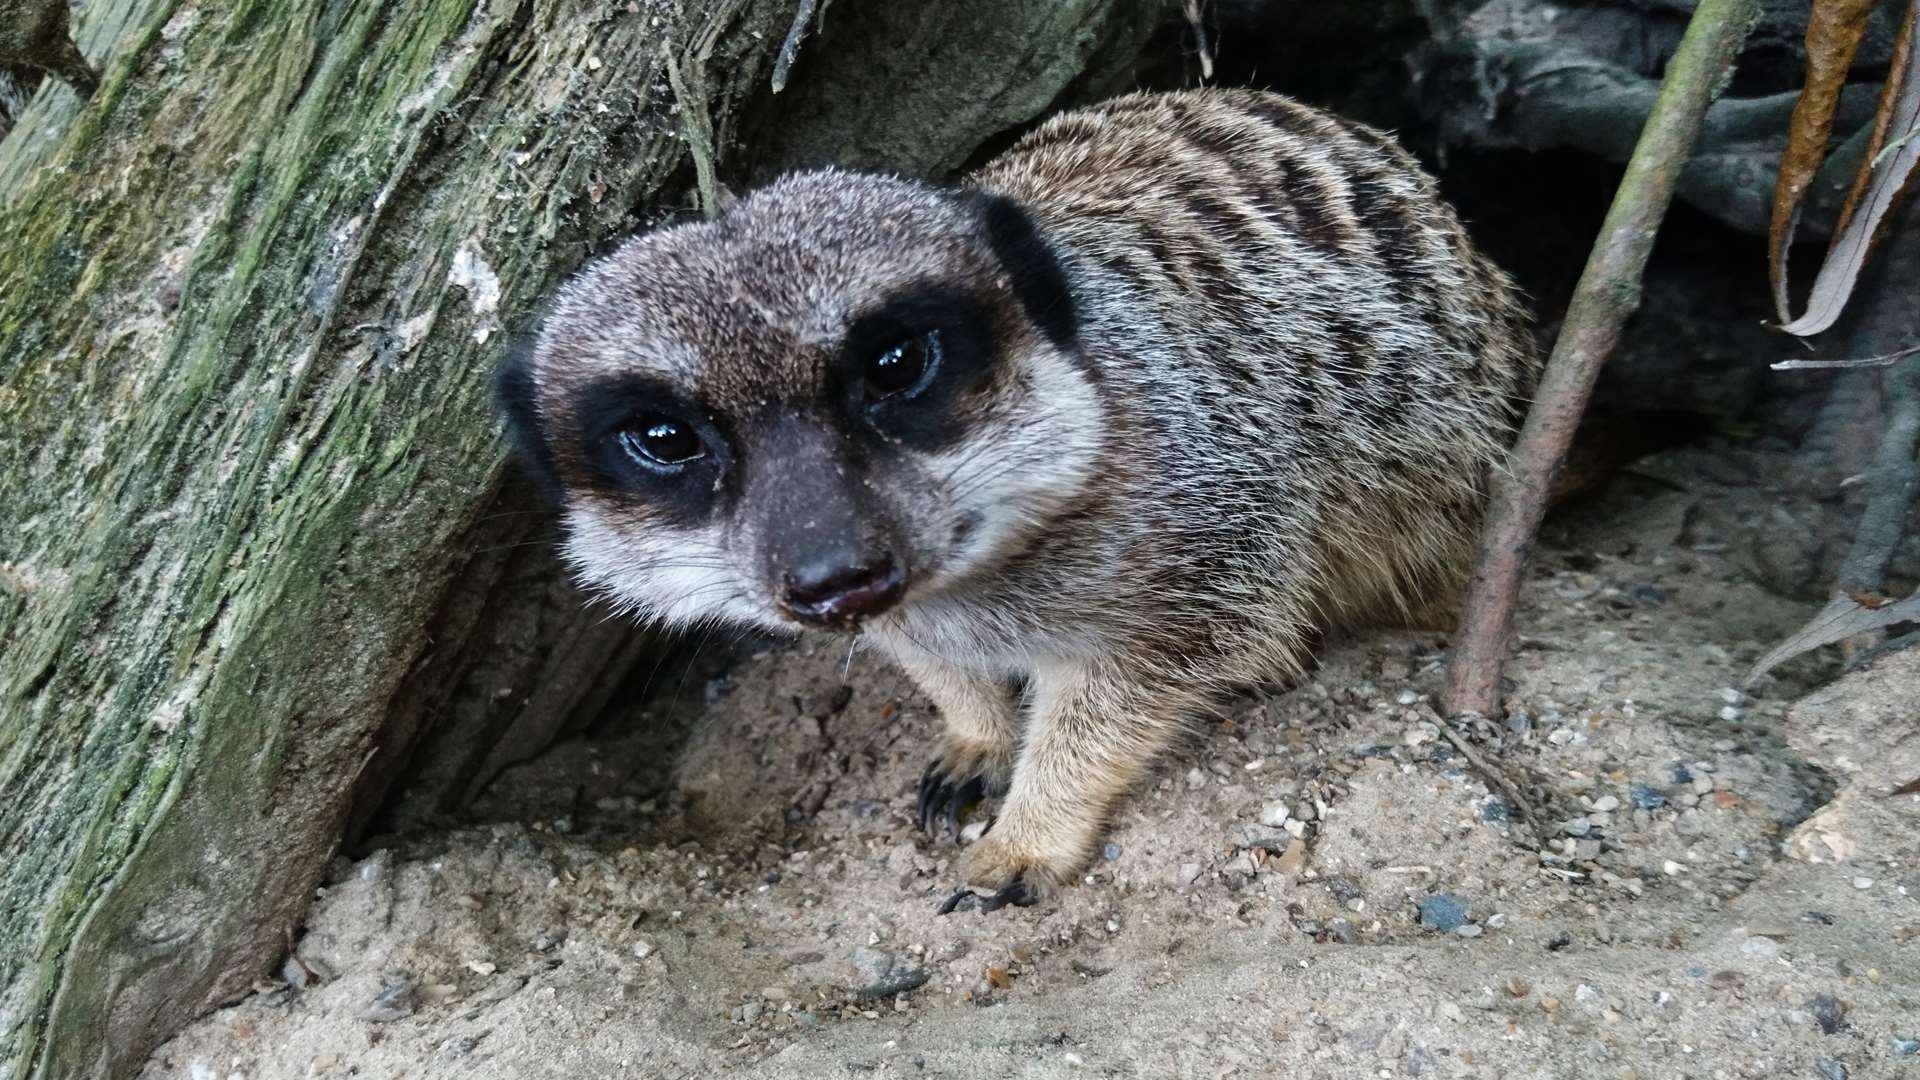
x,y
945,329
642,438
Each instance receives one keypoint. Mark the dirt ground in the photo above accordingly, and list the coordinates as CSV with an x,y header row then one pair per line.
x,y
1320,886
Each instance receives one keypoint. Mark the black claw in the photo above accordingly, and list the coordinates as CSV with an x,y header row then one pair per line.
x,y
953,903
1015,892
941,799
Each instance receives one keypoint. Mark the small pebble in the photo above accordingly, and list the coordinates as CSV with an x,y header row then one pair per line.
x,y
1606,804
1274,815
1495,811
1111,852
1578,826
1196,779
1444,912
1678,774
751,1011
1467,930
1906,1047
1691,823
1863,883
1645,797
1760,948
1828,1013
1188,874
642,948
393,1003
1831,1069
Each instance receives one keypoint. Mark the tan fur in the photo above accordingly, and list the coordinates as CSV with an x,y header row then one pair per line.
x,y
1288,377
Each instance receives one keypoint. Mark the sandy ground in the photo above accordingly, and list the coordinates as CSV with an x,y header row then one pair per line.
x,y
728,882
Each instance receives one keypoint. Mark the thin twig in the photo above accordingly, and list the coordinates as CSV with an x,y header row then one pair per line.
x,y
1883,360
1507,787
1197,20
790,48
698,128
1608,292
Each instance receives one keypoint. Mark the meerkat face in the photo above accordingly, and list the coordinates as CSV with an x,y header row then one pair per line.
x,y
847,394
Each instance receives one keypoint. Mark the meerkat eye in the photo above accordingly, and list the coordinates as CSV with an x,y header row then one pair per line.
x,y
656,441
903,366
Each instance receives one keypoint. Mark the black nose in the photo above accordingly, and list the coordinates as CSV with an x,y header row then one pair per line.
x,y
840,592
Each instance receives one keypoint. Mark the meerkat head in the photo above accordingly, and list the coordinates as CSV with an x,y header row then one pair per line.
x,y
846,394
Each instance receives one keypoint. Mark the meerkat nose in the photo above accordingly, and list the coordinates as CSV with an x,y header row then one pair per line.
x,y
842,591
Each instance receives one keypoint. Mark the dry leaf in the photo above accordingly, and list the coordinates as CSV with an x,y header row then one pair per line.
x,y
1834,28
1842,618
1893,153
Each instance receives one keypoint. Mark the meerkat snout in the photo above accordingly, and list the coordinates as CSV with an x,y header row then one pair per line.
x,y
827,548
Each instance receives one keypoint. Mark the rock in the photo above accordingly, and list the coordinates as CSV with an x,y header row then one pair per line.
x,y
1274,815
1760,948
1906,1047
393,1003
1196,779
1444,912
1187,874
1831,1069
870,965
1247,836
1342,931
1691,823
1606,804
1293,860
751,1011
1494,811
901,979
1578,826
1828,1013
1863,883
1110,853
1466,930
1588,996
1678,774
1644,797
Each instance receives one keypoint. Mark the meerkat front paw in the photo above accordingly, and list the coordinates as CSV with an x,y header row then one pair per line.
x,y
1018,864
961,774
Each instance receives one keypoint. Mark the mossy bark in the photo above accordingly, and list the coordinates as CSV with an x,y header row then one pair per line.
x,y
250,295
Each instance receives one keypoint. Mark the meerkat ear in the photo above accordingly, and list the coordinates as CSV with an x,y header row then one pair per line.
x,y
1029,260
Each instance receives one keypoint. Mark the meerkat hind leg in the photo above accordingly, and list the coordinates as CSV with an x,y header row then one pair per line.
x,y
975,755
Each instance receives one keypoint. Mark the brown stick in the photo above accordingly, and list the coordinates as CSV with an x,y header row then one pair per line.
x,y
1608,292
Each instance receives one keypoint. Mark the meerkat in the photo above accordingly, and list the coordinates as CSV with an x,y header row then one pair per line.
x,y
1109,429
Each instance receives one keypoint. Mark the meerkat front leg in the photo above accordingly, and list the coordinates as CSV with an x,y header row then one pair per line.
x,y
1093,733
975,754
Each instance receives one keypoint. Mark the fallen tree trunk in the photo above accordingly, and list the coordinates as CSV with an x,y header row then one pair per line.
x,y
250,296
